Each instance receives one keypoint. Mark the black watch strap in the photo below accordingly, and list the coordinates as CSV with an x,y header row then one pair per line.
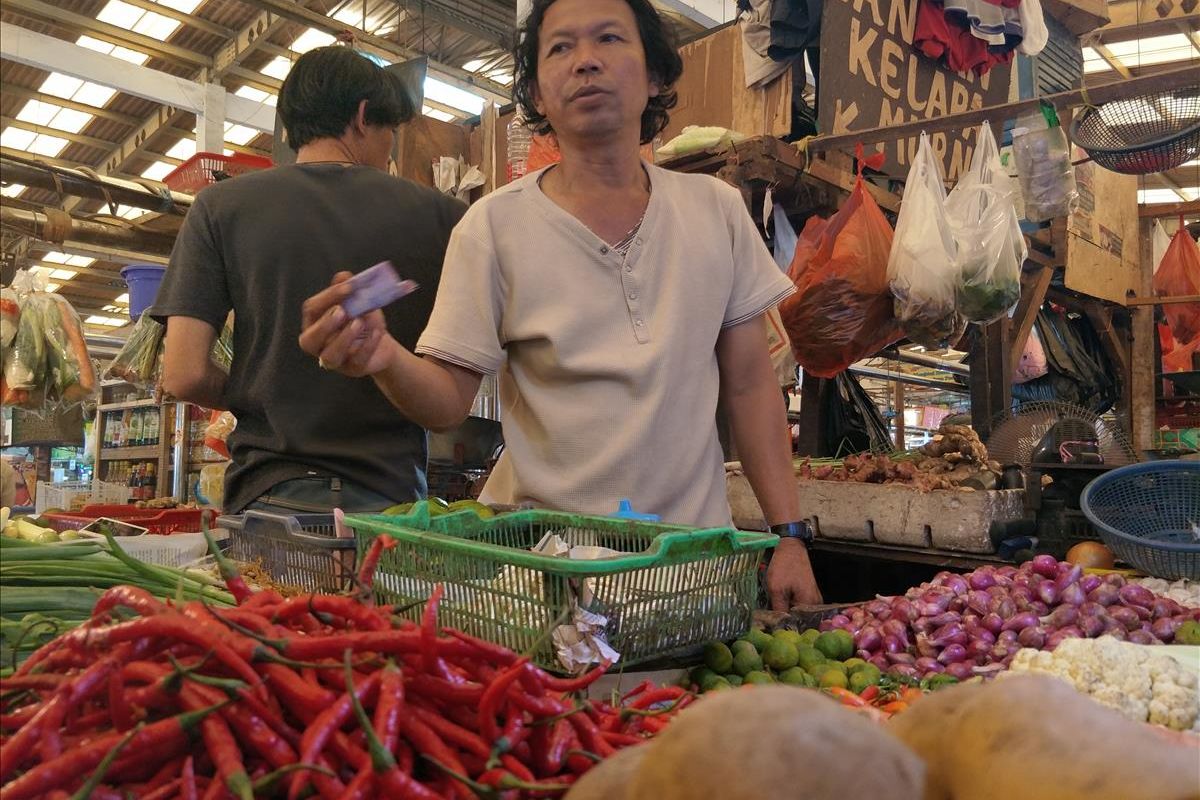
x,y
794,530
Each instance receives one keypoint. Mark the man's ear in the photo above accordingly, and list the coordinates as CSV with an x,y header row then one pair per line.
x,y
535,93
360,118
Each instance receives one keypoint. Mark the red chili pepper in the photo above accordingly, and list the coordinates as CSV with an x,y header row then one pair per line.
x,y
131,597
514,765
311,648
187,786
589,735
497,654
635,691
578,764
426,742
663,694
539,706
234,582
429,626
347,608
489,704
847,697
366,570
164,792
118,702
263,598
573,684
465,693
318,733
454,734
869,693
165,738
34,682
618,739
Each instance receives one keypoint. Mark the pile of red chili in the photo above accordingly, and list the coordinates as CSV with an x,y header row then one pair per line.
x,y
319,695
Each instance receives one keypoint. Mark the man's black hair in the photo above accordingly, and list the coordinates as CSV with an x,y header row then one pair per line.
x,y
320,95
662,63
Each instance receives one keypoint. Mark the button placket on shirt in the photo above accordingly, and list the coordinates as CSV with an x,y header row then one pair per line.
x,y
632,290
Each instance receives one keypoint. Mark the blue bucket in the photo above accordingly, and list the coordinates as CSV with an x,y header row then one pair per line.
x,y
143,281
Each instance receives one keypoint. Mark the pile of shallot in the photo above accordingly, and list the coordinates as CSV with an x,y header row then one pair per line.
x,y
974,624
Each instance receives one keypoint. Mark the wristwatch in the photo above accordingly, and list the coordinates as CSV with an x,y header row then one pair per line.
x,y
794,530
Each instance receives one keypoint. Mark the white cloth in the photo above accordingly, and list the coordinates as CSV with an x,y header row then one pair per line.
x,y
1033,26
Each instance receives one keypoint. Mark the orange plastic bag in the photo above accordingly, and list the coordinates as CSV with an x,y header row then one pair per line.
x,y
842,310
1176,357
1179,274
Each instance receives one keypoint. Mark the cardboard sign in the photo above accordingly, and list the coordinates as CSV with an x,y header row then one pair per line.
x,y
872,76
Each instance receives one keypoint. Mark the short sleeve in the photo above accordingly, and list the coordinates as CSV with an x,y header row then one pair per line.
x,y
195,283
464,328
758,283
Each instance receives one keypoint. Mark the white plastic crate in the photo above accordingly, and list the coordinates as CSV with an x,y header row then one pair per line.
x,y
67,496
109,494
171,550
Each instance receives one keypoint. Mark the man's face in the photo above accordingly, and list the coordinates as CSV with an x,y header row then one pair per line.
x,y
592,80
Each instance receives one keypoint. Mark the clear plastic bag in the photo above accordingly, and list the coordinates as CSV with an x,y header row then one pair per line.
x,y
137,361
70,374
991,248
922,270
1043,159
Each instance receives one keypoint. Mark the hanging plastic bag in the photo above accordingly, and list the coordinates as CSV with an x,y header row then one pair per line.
x,y
70,374
921,266
22,382
137,361
991,248
1032,364
1160,240
10,316
1177,275
1044,166
842,311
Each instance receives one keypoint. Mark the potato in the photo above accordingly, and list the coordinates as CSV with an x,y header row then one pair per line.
x,y
775,742
610,779
1034,737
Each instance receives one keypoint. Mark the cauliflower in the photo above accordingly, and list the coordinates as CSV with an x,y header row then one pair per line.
x,y
1132,679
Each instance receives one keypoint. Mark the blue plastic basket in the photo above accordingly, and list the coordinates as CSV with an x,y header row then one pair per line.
x,y
1149,514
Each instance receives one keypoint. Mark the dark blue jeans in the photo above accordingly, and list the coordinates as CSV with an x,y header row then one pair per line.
x,y
318,495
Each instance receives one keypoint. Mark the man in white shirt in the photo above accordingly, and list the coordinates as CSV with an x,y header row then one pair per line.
x,y
617,301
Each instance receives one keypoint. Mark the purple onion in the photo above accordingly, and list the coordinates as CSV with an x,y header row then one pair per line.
x,y
981,578
1061,617
1091,626
896,628
865,655
1023,581
953,654
1047,592
998,651
932,604
1021,594
1073,595
997,591
903,609
1056,638
1114,579
1020,621
984,635
959,669
892,645
1164,629
992,622
951,633
1006,637
1115,630
979,602
928,665
1126,616
945,618
825,625
869,639
926,647
1039,608
1142,612
1034,636
880,661
1089,582
1046,566
991,669
923,625
1133,595
1165,607
906,670
979,649
1105,594
1142,637
1006,571
971,620
876,607
957,584
901,658
1005,607
1067,574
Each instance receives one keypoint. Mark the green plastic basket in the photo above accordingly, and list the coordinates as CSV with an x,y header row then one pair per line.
x,y
671,590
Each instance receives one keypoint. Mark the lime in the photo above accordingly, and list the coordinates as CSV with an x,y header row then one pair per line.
x,y
868,669
742,644
861,680
712,681
759,638
1188,633
835,645
780,655
746,661
831,678
809,637
854,664
797,677
758,677
809,657
734,679
720,683
793,637
718,657
701,674
836,665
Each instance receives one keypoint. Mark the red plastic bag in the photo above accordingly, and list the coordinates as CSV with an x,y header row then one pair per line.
x,y
842,311
1179,274
1176,357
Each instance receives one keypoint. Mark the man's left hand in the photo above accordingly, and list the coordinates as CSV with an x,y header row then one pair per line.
x,y
790,578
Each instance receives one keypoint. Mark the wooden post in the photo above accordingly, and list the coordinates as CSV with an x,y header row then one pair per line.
x,y
1034,283
991,376
1143,367
898,398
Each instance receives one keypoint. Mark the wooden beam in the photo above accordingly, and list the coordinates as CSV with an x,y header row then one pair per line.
x,y
1163,301
12,90
991,375
1159,210
191,20
1137,19
1034,284
823,170
77,138
1168,80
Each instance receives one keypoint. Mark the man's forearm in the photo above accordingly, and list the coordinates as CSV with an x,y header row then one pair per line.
x,y
423,390
758,422
207,390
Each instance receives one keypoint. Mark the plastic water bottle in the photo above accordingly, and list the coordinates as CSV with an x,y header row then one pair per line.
x,y
519,140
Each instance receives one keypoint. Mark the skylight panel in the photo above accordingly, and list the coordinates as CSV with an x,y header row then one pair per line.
x,y
46,145
80,261
61,85
186,6
35,112
93,94
240,135
55,257
123,15
62,274
122,299
183,149
311,39
70,120
12,189
157,171
92,43
278,67
452,96
156,26
132,56
17,138
435,113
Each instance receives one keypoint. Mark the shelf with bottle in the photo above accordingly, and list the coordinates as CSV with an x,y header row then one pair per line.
x,y
139,476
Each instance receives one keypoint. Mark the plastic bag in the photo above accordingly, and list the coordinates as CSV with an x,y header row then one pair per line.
x,y
216,433
842,311
1032,364
137,361
70,374
921,268
10,316
1044,166
991,248
1179,274
695,138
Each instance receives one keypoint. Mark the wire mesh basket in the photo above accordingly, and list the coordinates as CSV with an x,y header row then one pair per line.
x,y
1149,514
301,551
1142,135
666,592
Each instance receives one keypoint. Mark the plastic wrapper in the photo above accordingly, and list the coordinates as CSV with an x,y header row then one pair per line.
x,y
222,352
70,374
1043,159
695,138
47,360
10,316
1032,364
842,310
1179,274
25,364
220,425
922,265
991,248
137,361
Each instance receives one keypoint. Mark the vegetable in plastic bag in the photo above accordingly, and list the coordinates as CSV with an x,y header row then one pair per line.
x,y
1179,274
922,265
991,248
137,361
70,375
842,311
1044,166
25,360
10,316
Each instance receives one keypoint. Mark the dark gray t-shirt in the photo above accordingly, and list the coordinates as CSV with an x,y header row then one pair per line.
x,y
261,245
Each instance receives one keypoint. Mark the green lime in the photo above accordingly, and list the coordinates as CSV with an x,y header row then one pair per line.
x,y
758,677
1188,633
792,637
712,681
797,677
809,657
861,680
720,684
837,666
854,664
836,645
718,657
734,679
759,638
831,678
699,675
868,669
846,640
809,637
746,661
780,655
742,644
938,681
